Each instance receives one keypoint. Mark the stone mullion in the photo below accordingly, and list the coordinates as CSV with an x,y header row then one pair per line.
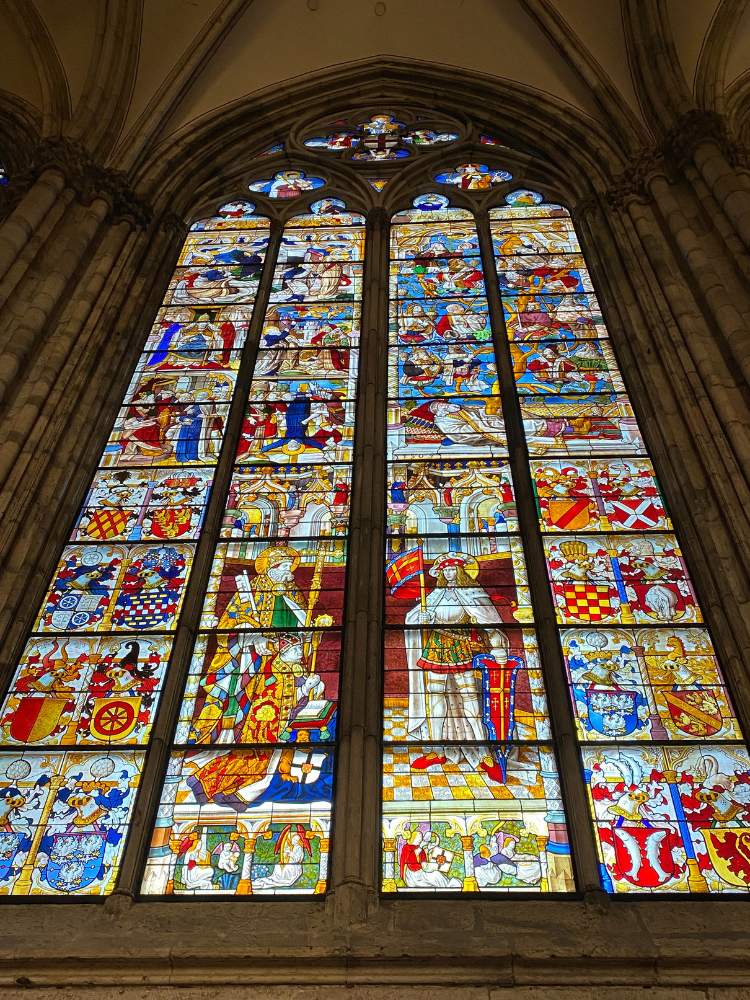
x,y
41,502
30,307
723,294
356,838
27,217
697,485
583,849
162,734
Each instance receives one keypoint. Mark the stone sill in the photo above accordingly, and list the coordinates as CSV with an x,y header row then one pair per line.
x,y
649,942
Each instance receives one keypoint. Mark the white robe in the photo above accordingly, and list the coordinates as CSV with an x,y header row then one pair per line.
x,y
449,606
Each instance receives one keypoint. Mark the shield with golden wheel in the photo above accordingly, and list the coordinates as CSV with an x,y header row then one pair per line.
x,y
114,719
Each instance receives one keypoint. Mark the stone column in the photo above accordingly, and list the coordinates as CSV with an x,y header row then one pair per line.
x,y
24,220
46,365
729,187
36,297
725,296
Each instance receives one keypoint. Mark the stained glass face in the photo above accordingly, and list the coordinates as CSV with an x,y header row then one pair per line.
x,y
78,715
473,177
446,582
66,815
317,280
167,434
553,317
440,321
222,283
668,805
247,801
232,215
240,822
287,184
208,249
196,338
302,430
292,325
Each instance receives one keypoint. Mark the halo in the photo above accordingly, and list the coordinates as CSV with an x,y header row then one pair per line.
x,y
470,565
273,555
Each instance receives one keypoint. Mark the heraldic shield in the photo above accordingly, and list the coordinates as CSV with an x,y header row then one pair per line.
x,y
114,719
695,712
729,851
569,515
645,856
144,609
11,844
109,523
587,602
611,713
75,860
36,718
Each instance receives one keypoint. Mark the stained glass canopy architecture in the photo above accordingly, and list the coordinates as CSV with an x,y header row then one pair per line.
x,y
193,636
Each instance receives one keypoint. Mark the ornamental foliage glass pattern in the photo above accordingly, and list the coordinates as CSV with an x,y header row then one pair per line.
x,y
246,804
667,774
77,719
471,797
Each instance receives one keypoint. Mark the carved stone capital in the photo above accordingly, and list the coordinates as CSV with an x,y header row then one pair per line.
x,y
691,129
632,183
88,179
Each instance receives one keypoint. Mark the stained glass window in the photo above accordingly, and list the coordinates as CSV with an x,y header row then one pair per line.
x,y
667,773
381,137
473,177
77,719
286,184
246,804
189,647
471,799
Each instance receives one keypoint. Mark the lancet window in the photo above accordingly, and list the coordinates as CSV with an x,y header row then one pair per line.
x,y
171,722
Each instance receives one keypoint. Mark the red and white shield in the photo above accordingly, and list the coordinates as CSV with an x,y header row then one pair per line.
x,y
636,515
644,856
